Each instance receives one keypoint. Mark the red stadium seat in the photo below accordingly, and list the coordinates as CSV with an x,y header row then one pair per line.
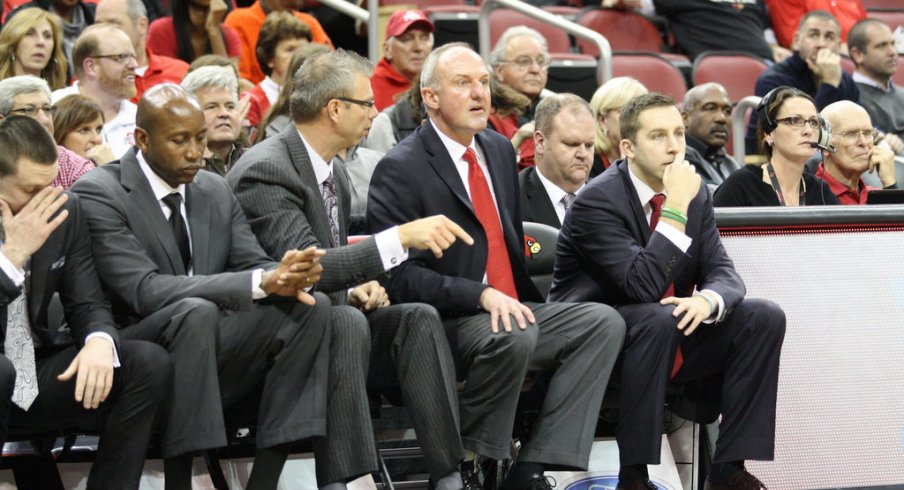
x,y
892,18
882,4
502,19
848,65
568,12
736,71
652,70
624,30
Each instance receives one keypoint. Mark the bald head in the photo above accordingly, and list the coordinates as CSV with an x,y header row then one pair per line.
x,y
171,133
707,114
852,137
836,113
699,92
162,102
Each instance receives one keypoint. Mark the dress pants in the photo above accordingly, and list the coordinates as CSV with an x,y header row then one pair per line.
x,y
409,350
577,343
141,386
744,348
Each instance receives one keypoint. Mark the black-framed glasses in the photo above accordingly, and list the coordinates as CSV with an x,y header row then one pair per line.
x,y
798,121
32,111
525,62
854,135
121,58
363,103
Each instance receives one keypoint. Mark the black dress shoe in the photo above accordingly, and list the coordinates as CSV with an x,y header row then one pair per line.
x,y
741,480
636,485
470,476
539,481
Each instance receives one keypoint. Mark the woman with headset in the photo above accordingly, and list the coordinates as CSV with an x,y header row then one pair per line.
x,y
789,131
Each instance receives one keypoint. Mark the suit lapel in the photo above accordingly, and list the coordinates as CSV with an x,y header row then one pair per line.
x,y
640,219
199,226
147,206
318,219
542,207
444,166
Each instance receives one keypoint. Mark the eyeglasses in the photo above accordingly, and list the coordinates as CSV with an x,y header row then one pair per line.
x,y
32,111
798,122
525,62
121,58
854,135
363,103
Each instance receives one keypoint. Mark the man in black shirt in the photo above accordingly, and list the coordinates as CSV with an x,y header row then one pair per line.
x,y
706,113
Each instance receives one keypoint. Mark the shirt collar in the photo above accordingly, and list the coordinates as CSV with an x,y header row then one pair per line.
x,y
456,150
865,80
322,169
555,192
837,187
644,192
160,188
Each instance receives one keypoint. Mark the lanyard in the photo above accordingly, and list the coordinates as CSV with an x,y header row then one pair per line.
x,y
778,188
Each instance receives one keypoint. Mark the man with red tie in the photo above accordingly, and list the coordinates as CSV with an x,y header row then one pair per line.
x,y
642,236
497,325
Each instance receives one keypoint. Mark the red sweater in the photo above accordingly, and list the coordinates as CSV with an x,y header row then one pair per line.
x,y
508,126
160,69
387,83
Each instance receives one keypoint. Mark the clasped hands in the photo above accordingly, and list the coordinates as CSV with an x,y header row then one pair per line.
x,y
297,271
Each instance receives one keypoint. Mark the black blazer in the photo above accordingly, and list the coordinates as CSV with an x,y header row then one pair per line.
x,y
416,179
606,252
535,204
63,265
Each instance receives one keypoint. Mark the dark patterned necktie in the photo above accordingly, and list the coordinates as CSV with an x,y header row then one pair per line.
x,y
331,203
567,199
180,231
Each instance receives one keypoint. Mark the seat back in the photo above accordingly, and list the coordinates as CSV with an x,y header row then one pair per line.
x,y
540,253
735,71
891,18
652,70
882,4
625,30
501,19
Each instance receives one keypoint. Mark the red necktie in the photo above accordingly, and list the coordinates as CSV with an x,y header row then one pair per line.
x,y
499,269
656,205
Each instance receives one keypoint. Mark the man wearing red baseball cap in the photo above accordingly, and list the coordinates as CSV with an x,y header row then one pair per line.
x,y
409,39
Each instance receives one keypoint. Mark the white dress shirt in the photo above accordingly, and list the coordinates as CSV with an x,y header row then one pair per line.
x,y
556,194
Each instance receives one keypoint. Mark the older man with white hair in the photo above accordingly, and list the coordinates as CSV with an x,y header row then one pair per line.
x,y
216,88
28,95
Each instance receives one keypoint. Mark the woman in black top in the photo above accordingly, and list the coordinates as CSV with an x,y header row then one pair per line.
x,y
788,128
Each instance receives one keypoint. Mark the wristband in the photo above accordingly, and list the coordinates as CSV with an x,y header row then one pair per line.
x,y
674,215
712,306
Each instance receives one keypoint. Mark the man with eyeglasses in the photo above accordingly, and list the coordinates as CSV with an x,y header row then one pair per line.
x,y
296,195
409,39
520,62
814,68
707,115
853,137
28,95
105,62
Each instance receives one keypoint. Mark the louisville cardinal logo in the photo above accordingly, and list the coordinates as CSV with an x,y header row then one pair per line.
x,y
531,246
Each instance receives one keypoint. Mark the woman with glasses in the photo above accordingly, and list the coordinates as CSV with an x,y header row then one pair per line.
x,y
78,124
31,44
788,133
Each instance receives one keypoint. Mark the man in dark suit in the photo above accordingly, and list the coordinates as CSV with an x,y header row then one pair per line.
x,y
46,250
675,287
282,186
707,114
563,138
452,166
178,259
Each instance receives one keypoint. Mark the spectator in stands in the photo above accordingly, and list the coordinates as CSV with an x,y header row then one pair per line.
x,y
564,136
247,22
873,50
217,60
814,68
277,116
280,36
786,14
788,132
63,378
195,293
520,62
855,154
216,89
75,15
607,103
196,28
707,117
397,121
32,44
643,236
498,322
409,39
78,125
131,17
105,63
288,187
713,25
27,95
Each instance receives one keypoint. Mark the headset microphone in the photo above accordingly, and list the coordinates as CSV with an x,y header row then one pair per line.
x,y
824,137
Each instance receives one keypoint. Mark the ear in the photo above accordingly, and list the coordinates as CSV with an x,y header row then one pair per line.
x,y
795,41
332,110
89,66
856,56
430,98
627,148
386,51
497,70
601,119
684,117
142,26
539,141
141,139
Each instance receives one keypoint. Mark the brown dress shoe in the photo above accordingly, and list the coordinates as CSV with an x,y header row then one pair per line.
x,y
741,480
636,485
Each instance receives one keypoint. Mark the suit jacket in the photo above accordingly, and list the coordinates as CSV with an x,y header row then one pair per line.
x,y
535,203
136,253
63,265
275,183
606,252
418,178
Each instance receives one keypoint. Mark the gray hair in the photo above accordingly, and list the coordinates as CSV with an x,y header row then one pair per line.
x,y
497,56
24,84
551,106
212,77
428,71
322,78
135,9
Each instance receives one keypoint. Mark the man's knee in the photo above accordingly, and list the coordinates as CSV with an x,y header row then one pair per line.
x,y
768,316
149,364
652,322
349,327
420,320
604,323
518,345
198,311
